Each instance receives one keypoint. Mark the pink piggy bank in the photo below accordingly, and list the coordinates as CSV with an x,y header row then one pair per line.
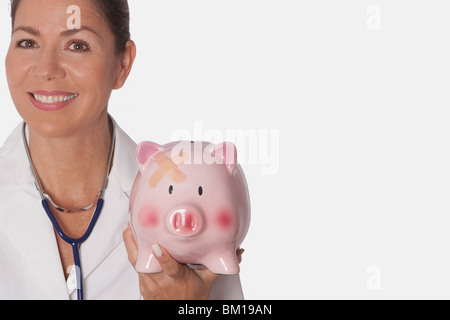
x,y
192,199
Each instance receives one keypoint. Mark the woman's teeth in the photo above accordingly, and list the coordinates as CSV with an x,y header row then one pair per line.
x,y
54,99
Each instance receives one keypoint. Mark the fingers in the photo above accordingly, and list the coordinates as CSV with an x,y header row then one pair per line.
x,y
130,244
239,253
170,266
175,270
177,281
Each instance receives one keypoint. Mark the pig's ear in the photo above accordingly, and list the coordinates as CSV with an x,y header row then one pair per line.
x,y
144,151
226,154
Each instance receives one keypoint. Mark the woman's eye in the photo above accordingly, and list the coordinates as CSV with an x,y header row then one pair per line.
x,y
26,44
78,46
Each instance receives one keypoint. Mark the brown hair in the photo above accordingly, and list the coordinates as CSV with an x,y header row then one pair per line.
x,y
116,13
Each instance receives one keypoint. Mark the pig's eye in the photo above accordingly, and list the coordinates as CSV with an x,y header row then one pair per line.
x,y
171,189
200,190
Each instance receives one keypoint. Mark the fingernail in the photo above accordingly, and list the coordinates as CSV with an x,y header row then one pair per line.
x,y
157,250
125,226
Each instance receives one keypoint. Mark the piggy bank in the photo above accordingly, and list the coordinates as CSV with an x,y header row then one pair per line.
x,y
192,199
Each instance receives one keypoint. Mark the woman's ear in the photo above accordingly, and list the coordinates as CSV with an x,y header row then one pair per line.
x,y
126,62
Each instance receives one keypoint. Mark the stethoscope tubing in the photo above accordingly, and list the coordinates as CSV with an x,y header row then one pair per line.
x,y
75,243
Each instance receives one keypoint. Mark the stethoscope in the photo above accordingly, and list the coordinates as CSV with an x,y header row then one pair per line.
x,y
75,243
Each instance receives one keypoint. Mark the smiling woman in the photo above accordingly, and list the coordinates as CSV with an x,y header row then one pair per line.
x,y
60,79
47,59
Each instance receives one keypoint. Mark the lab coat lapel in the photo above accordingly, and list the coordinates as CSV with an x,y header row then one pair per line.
x,y
24,222
30,230
107,234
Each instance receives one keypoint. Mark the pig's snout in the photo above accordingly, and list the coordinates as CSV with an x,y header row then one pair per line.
x,y
185,222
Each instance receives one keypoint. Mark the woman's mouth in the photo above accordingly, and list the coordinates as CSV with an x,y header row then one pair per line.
x,y
51,100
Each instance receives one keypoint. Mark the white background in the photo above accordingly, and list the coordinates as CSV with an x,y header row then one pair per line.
x,y
359,205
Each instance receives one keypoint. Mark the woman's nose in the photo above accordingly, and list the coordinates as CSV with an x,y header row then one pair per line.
x,y
48,66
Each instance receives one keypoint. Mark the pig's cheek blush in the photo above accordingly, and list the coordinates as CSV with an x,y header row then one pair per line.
x,y
148,218
224,219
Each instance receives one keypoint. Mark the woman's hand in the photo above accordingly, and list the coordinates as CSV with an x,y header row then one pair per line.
x,y
175,282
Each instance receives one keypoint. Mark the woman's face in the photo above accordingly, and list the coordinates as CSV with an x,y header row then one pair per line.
x,y
61,76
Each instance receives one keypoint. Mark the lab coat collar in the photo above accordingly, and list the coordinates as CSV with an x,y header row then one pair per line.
x,y
125,167
13,161
24,221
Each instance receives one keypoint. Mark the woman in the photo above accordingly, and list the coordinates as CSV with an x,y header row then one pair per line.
x,y
61,76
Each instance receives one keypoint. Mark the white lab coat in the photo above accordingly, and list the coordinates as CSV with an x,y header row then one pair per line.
x,y
30,266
